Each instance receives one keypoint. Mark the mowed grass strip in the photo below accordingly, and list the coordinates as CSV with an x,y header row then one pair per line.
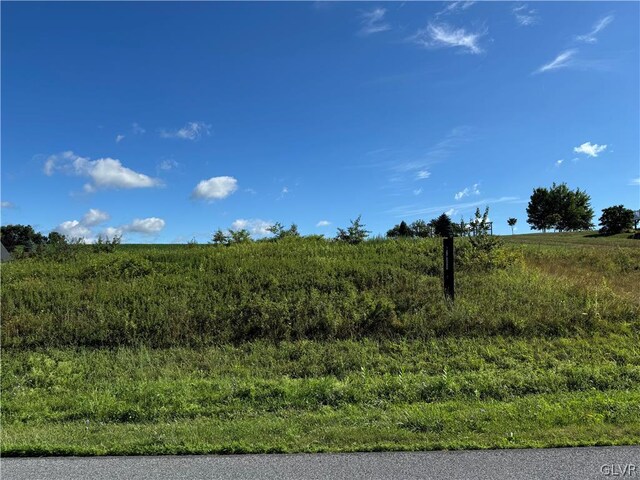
x,y
408,395
572,419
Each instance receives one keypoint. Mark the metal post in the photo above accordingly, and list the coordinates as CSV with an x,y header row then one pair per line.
x,y
448,256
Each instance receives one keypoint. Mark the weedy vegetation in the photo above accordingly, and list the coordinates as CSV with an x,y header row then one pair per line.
x,y
303,344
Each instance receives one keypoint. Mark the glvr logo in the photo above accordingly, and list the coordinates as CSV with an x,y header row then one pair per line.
x,y
619,470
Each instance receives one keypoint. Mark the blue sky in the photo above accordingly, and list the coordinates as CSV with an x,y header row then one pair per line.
x,y
165,121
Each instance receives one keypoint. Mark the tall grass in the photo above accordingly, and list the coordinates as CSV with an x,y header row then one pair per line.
x,y
163,296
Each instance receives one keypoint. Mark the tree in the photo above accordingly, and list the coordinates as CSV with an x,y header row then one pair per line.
x,y
442,226
560,208
400,230
421,229
280,232
616,219
24,236
512,223
354,234
220,238
56,238
539,209
239,236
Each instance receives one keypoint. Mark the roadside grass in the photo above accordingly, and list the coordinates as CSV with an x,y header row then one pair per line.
x,y
306,346
323,396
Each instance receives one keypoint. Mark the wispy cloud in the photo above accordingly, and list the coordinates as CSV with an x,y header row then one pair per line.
x,y
7,205
455,7
414,210
323,223
136,129
472,190
590,149
635,181
439,152
417,191
168,164
600,25
559,162
191,131
563,60
524,15
443,36
215,188
119,138
106,173
373,22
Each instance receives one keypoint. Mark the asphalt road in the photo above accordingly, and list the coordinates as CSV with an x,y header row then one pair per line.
x,y
553,463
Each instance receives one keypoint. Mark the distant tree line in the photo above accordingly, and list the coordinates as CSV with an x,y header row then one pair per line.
x,y
443,226
557,207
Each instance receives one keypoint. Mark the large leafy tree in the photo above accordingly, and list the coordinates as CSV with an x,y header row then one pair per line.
x,y
559,207
616,219
25,236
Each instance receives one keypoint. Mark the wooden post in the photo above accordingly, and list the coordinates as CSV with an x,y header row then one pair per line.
x,y
448,257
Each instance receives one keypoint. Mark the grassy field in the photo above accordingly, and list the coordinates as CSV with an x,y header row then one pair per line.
x,y
306,345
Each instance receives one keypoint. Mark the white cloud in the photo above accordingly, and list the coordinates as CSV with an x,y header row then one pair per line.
x,y
82,228
635,181
453,7
563,60
473,190
105,172
73,229
323,223
590,149
525,16
94,217
137,129
111,232
216,188
7,205
597,28
168,165
191,131
442,35
145,226
422,174
373,22
284,191
256,226
417,191
450,212
119,138
559,162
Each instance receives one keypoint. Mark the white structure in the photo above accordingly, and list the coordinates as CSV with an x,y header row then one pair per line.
x,y
6,256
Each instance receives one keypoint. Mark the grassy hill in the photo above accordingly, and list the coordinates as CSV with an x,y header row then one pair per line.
x,y
307,345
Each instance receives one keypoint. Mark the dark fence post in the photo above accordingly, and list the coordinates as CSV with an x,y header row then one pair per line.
x,y
448,255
